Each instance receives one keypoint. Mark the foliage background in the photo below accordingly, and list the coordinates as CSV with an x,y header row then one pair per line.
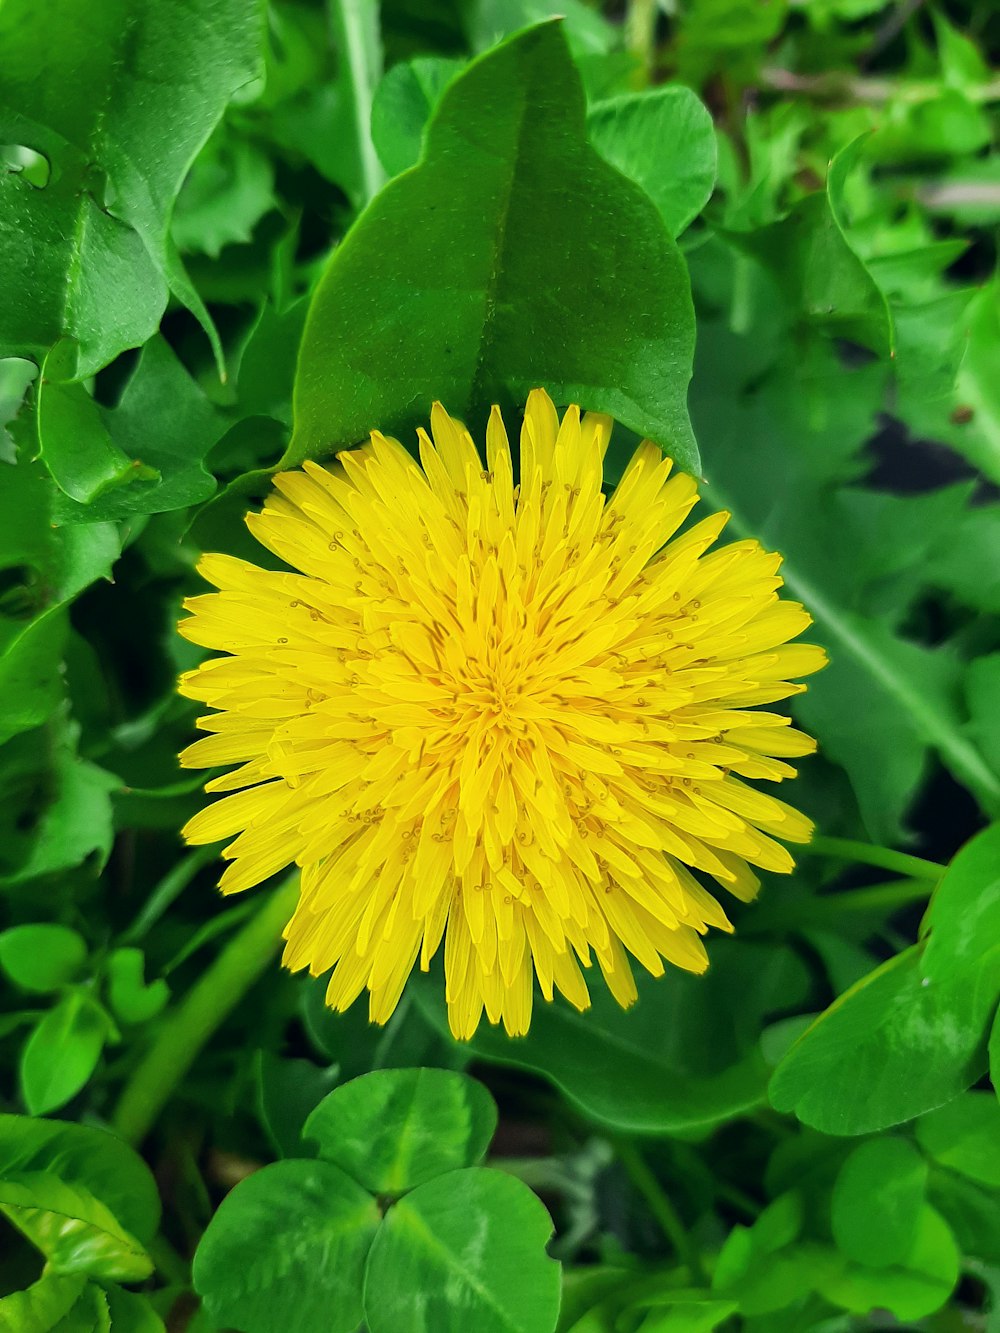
x,y
176,176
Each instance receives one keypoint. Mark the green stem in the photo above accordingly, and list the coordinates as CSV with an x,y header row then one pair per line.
x,y
740,1200
199,1014
830,908
662,1209
640,36
877,897
356,30
885,858
170,887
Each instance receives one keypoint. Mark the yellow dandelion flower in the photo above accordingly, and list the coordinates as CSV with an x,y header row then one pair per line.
x,y
513,717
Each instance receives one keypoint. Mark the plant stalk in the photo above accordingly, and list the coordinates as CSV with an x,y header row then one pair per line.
x,y
884,858
662,1209
355,26
205,1007
640,37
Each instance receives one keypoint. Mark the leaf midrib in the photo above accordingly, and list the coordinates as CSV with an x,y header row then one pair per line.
x,y
933,724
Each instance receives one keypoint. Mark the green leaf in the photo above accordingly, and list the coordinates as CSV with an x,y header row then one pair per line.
x,y
965,1136
686,1056
402,105
288,1090
890,1049
75,822
90,1314
70,269
42,957
970,1211
912,1034
877,1200
62,1053
587,31
73,1229
823,283
90,1158
880,706
15,377
162,419
76,448
395,1128
552,270
800,423
40,1306
728,36
756,1265
664,140
267,364
976,386
964,913
982,686
228,190
587,1290
132,1313
915,1287
287,1248
98,97
776,1227
132,999
963,565
463,1251
683,1316
47,567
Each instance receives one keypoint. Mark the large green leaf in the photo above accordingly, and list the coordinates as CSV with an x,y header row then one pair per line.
x,y
685,1057
511,257
464,1251
912,1035
395,1128
91,1158
287,1249
890,1049
120,104
70,270
663,138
